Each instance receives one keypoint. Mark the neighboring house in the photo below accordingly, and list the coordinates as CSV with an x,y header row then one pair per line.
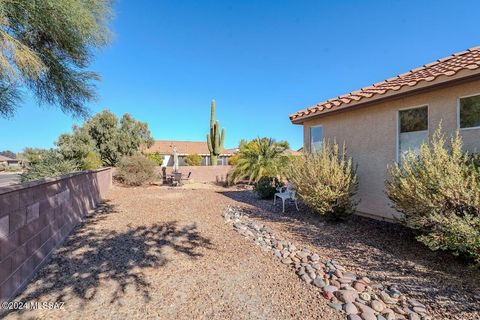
x,y
380,122
185,148
6,161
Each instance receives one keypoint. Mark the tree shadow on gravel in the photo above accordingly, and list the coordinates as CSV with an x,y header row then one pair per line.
x,y
91,256
386,252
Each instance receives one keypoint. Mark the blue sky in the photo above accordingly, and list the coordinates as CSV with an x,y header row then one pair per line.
x,y
260,60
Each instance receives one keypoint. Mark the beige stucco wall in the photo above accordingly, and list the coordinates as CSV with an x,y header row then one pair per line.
x,y
370,134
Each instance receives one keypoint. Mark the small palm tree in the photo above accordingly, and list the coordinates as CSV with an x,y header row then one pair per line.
x,y
260,157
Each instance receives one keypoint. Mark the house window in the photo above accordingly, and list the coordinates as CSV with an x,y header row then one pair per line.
x,y
316,138
469,112
413,129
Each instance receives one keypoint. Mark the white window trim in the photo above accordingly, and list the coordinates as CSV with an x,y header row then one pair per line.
x,y
310,135
458,112
397,147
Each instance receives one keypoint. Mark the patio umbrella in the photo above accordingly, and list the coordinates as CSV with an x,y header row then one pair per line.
x,y
175,159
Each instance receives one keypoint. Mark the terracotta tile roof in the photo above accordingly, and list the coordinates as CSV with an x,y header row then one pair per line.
x,y
3,158
183,147
448,66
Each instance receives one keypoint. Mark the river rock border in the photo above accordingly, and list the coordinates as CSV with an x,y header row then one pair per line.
x,y
356,297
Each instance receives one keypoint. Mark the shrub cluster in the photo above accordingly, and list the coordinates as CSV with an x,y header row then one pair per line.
x,y
438,192
135,170
156,157
193,160
266,187
326,180
50,163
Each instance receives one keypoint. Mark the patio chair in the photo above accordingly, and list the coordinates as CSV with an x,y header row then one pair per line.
x,y
286,193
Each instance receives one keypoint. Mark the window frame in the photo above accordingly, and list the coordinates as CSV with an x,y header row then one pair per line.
x,y
310,135
458,112
397,151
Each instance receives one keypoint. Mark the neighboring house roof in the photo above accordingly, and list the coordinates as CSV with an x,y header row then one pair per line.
x,y
455,67
3,158
183,147
293,152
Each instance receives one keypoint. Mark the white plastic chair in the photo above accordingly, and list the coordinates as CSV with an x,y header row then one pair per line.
x,y
285,193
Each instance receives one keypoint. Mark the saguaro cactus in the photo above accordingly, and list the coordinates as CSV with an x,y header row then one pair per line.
x,y
215,139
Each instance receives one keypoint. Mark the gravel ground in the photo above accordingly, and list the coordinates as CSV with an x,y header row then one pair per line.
x,y
167,253
385,252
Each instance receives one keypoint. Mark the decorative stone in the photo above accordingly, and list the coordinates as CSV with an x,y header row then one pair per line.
x,y
346,295
330,288
377,305
287,261
318,282
353,317
314,257
335,283
328,295
365,296
336,306
368,316
359,286
306,278
380,317
350,308
414,316
415,303
386,298
364,308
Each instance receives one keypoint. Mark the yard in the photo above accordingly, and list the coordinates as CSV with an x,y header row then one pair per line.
x,y
159,252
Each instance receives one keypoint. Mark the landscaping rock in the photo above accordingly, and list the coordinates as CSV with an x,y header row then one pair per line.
x,y
350,308
334,280
346,295
377,305
318,282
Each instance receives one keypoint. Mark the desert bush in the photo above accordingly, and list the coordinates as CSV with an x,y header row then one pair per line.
x,y
326,180
155,157
438,192
266,187
135,170
193,160
51,163
91,161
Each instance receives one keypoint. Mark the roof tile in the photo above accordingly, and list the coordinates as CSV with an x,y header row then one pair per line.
x,y
448,66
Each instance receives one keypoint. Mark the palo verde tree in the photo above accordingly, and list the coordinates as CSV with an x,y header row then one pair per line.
x,y
215,139
46,47
108,136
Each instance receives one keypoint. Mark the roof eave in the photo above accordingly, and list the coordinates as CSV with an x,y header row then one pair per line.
x,y
440,82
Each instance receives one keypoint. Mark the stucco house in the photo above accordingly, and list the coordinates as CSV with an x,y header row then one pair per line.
x,y
185,148
380,122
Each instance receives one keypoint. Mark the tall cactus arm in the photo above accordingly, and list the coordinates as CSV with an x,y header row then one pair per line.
x,y
222,140
209,143
212,113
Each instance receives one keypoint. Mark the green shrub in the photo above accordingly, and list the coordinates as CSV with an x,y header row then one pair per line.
x,y
193,160
135,170
49,164
266,187
156,157
438,192
326,181
91,161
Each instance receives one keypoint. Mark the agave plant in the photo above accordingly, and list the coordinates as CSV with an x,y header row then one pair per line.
x,y
259,158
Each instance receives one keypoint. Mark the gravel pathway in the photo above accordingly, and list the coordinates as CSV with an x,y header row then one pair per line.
x,y
167,253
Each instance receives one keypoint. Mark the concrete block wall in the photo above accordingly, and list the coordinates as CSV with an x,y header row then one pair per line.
x,y
204,173
37,216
